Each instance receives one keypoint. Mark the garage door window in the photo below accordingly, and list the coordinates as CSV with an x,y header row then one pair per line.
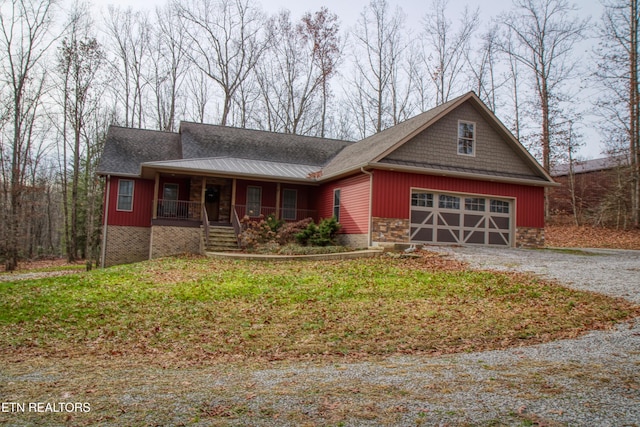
x,y
424,200
499,206
449,202
474,204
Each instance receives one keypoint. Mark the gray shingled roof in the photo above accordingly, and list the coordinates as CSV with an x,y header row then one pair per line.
x,y
127,148
210,148
202,141
232,165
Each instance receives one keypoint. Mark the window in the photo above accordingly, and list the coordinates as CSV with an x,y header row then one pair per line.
x,y
499,206
336,204
125,195
289,204
466,138
169,206
422,199
254,201
474,204
449,202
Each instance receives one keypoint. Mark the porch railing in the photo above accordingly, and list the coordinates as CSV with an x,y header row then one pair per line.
x,y
178,209
285,214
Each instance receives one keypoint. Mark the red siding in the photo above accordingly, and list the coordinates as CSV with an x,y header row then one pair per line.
x,y
392,193
183,186
268,192
354,203
142,203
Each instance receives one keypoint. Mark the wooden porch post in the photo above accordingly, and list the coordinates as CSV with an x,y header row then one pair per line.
x,y
156,188
278,201
203,192
233,197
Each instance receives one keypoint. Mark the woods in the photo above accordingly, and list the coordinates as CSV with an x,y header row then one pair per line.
x,y
66,74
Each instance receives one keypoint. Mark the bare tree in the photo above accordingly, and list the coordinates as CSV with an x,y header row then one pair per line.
x,y
484,67
24,40
226,42
378,57
169,66
617,74
79,62
445,51
322,31
544,33
128,33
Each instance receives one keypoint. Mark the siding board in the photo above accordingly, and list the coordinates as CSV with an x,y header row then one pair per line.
x,y
354,203
392,194
142,203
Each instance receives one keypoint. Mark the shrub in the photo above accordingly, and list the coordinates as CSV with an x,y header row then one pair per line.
x,y
287,233
322,234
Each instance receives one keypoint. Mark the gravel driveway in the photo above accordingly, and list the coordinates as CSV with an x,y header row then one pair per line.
x,y
593,380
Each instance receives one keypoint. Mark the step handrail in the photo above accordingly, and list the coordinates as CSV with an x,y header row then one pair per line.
x,y
205,222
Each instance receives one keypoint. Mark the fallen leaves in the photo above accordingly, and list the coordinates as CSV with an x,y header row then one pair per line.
x,y
568,236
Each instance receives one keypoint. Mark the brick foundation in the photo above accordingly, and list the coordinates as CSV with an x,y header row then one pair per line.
x,y
125,245
529,237
171,240
353,240
390,230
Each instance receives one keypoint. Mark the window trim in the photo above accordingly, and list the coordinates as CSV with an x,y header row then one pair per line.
x,y
336,207
473,139
133,187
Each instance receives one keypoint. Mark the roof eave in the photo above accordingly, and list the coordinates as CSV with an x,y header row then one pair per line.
x,y
147,169
465,175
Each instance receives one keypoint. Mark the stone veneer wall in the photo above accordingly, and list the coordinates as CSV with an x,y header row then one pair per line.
x,y
171,240
390,230
126,244
529,237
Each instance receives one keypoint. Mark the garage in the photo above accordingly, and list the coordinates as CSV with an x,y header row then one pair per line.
x,y
443,218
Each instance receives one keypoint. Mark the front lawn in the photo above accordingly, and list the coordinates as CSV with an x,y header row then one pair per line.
x,y
199,309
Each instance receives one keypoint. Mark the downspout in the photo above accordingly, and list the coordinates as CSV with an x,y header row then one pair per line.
x,y
103,254
370,224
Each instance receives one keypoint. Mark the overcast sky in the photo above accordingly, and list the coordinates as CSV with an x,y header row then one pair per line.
x,y
349,11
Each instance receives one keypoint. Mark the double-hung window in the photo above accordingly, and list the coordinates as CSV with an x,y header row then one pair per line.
x,y
125,195
466,138
289,204
254,201
336,204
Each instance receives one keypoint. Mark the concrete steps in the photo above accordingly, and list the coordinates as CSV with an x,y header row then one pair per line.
x,y
221,239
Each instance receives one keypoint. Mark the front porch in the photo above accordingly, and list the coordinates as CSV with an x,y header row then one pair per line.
x,y
212,208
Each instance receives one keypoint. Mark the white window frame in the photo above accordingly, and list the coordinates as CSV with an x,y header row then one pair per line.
x,y
289,212
128,196
254,207
336,204
466,139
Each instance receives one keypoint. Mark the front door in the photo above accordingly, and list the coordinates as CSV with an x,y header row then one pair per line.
x,y
212,202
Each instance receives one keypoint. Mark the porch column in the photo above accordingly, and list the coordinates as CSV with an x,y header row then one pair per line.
x,y
202,195
233,198
156,188
278,201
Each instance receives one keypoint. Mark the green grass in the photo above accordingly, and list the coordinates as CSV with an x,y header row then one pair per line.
x,y
197,307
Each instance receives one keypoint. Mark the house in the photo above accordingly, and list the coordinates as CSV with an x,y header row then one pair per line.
x,y
588,187
451,175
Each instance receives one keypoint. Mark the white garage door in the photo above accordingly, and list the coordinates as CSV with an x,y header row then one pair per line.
x,y
462,219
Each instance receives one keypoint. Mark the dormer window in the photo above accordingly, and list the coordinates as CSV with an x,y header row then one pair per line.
x,y
466,138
